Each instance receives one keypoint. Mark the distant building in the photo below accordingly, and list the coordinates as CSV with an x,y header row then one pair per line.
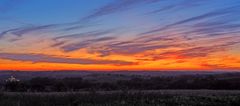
x,y
12,79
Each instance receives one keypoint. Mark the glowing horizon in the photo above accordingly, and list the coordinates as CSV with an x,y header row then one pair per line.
x,y
120,35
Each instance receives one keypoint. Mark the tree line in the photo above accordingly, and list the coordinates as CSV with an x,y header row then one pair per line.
x,y
44,84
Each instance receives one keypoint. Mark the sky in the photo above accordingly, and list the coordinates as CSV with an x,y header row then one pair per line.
x,y
119,35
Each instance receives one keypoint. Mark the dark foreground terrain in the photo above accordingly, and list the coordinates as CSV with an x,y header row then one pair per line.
x,y
124,98
119,89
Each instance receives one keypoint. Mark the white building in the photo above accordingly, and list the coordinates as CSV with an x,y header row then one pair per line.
x,y
12,79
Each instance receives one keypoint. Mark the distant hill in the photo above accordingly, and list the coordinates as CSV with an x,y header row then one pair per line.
x,y
102,75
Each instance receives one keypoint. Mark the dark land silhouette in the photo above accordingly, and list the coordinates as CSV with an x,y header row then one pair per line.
x,y
83,88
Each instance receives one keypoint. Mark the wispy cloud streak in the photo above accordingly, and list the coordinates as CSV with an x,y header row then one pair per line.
x,y
39,58
209,15
116,6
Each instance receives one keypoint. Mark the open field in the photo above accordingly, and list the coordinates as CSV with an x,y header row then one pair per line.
x,y
124,98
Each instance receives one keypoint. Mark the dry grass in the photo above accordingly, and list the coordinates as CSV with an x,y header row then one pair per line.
x,y
124,98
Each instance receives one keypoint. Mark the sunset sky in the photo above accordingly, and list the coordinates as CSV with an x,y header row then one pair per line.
x,y
119,34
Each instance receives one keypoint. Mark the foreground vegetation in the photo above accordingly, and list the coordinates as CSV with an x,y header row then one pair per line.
x,y
124,98
223,90
45,84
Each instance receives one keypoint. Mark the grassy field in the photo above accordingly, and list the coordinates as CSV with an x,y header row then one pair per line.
x,y
124,98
